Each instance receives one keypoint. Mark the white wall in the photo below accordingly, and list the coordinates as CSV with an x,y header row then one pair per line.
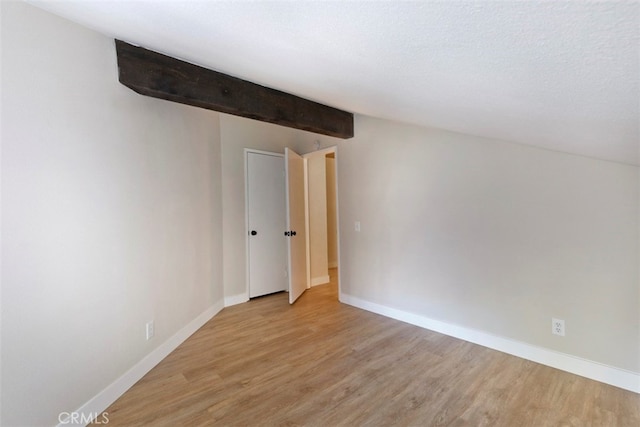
x,y
317,188
111,217
493,236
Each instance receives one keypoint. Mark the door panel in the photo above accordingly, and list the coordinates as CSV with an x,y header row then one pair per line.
x,y
296,242
266,221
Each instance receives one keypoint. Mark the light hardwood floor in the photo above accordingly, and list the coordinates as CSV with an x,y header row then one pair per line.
x,y
322,363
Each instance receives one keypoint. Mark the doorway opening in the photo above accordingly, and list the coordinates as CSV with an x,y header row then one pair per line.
x,y
322,217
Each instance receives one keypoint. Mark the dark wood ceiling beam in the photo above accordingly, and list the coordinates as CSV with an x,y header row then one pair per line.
x,y
160,76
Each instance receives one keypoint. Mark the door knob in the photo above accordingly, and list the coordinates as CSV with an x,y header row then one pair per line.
x,y
287,233
293,233
254,232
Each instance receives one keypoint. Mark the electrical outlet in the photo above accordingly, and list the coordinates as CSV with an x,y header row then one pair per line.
x,y
150,330
557,327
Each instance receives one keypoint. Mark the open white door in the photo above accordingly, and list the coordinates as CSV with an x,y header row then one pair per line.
x,y
296,240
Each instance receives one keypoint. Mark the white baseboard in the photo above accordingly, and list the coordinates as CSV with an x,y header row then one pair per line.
x,y
236,299
617,377
94,407
315,281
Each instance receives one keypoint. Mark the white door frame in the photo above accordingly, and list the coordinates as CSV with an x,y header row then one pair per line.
x,y
246,208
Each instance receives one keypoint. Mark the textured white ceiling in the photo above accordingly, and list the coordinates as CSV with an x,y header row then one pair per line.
x,y
563,75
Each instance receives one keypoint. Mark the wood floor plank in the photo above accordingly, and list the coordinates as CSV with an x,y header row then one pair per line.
x,y
322,363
